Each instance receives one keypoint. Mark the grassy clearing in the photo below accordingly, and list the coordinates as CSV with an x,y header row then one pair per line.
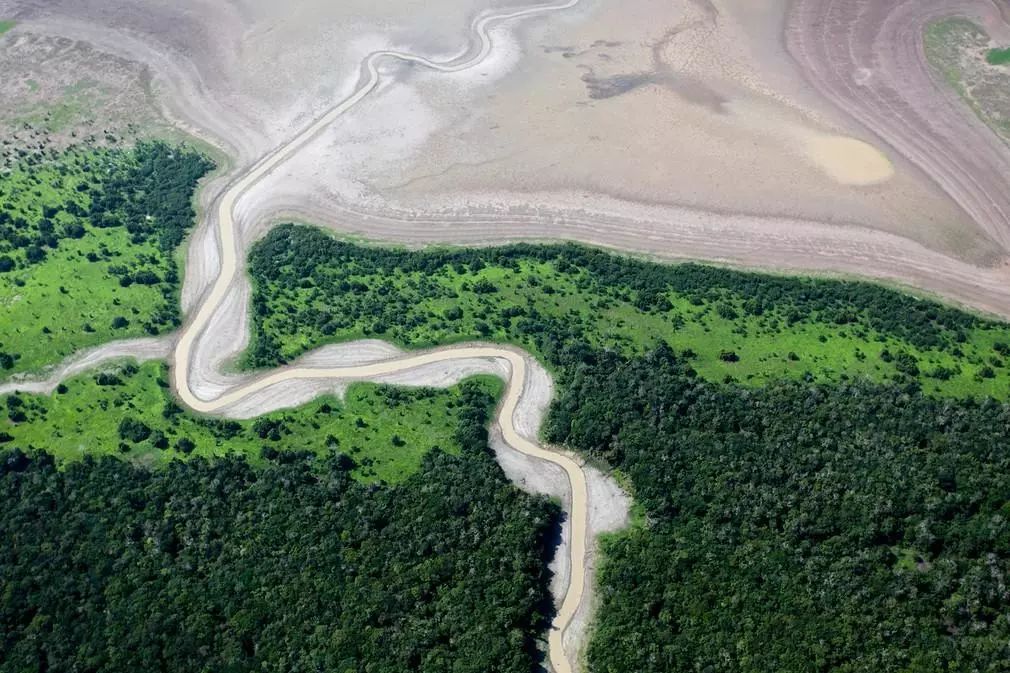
x,y
998,56
6,25
68,303
420,299
386,431
86,250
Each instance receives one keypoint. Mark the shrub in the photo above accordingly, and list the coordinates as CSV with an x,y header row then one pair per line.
x,y
130,429
484,286
907,364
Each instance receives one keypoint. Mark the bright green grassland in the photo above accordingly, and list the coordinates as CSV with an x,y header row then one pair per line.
x,y
307,307
68,303
5,25
998,56
66,283
385,430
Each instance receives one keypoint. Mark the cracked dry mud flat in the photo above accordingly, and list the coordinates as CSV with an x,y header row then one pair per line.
x,y
862,114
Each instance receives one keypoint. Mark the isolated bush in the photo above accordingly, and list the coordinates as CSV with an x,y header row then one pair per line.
x,y
133,430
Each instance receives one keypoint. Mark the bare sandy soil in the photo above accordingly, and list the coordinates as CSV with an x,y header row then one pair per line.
x,y
867,57
251,72
647,102
653,102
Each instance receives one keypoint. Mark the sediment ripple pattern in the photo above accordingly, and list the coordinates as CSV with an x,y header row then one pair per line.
x,y
867,57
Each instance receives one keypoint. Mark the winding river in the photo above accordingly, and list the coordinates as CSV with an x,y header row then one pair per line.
x,y
517,362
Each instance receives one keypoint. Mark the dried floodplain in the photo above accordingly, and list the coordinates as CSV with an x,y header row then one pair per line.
x,y
661,104
679,116
58,91
705,129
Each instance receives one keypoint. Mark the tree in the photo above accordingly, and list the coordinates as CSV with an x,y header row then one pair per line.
x,y
133,430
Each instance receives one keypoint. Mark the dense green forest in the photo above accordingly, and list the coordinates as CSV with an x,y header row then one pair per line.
x,y
312,289
87,248
824,480
799,527
291,566
127,410
828,521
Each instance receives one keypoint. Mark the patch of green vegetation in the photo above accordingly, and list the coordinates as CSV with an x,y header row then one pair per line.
x,y
127,411
87,245
959,51
998,56
65,109
906,559
78,101
60,115
311,289
944,38
6,25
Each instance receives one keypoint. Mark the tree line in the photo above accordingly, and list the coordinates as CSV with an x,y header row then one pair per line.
x,y
292,254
